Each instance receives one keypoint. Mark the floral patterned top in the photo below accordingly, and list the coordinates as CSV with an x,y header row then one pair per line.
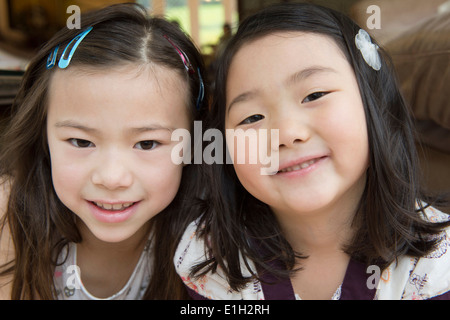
x,y
410,278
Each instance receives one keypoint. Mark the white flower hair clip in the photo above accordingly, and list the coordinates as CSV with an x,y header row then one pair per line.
x,y
368,49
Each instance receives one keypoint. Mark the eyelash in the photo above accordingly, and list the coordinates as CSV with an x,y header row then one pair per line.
x,y
153,143
76,143
248,120
315,96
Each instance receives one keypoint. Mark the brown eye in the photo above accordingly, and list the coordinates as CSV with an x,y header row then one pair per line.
x,y
80,143
314,96
147,145
252,119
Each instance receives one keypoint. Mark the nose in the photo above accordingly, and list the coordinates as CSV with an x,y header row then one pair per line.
x,y
112,172
293,128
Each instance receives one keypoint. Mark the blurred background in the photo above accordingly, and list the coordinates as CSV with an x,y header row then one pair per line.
x,y
26,24
416,33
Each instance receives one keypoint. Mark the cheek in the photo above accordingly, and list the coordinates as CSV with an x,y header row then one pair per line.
x,y
246,175
251,179
60,170
166,188
161,179
249,155
68,181
347,135
64,165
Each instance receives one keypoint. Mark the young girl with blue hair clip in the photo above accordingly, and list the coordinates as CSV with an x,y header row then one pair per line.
x,y
343,217
90,197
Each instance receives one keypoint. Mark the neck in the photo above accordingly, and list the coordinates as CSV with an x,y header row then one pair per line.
x,y
125,248
325,229
106,267
324,232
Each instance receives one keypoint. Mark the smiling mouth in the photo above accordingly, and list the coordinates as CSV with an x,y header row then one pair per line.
x,y
300,166
113,207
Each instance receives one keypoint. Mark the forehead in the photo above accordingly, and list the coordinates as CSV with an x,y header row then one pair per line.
x,y
127,89
298,42
280,53
159,78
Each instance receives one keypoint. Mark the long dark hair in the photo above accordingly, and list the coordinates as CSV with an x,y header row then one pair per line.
x,y
388,219
40,224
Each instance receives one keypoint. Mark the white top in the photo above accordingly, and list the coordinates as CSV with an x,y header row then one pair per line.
x,y
409,279
68,283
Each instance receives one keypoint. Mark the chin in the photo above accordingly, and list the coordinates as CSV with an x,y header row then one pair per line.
x,y
114,234
302,205
112,237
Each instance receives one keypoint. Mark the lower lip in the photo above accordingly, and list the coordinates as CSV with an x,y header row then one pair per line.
x,y
107,216
302,172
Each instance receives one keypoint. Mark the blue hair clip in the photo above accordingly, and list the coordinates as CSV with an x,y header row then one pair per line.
x,y
201,92
188,66
64,61
184,58
51,60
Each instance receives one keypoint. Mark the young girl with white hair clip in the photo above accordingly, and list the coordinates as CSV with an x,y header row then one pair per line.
x,y
344,216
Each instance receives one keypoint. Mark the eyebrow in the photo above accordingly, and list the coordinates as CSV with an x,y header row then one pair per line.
x,y
136,130
74,125
302,75
296,77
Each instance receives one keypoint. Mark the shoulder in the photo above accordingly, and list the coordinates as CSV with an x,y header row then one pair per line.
x,y
190,252
6,245
434,215
420,278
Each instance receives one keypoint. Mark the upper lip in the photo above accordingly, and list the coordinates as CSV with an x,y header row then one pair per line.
x,y
298,161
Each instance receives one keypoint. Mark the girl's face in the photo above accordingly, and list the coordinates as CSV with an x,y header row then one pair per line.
x,y
302,85
109,135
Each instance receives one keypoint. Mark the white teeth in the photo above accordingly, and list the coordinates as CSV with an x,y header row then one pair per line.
x,y
114,207
303,165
